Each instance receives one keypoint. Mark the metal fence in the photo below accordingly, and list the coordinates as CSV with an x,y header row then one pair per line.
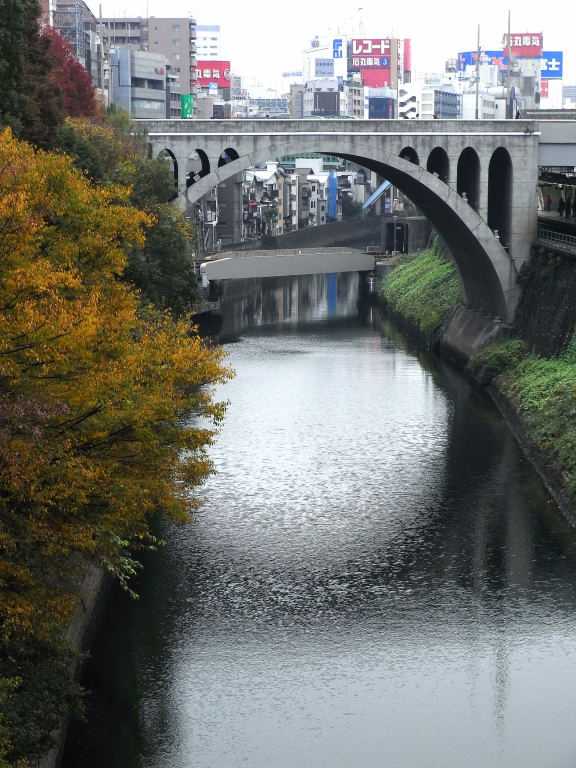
x,y
565,243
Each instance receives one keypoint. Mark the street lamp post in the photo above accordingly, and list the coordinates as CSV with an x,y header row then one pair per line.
x,y
394,237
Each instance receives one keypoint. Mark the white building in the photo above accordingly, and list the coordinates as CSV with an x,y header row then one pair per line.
x,y
208,42
486,103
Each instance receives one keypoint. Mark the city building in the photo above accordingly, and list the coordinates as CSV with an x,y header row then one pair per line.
x,y
569,96
174,38
297,101
140,82
531,75
380,103
485,103
208,42
429,100
321,98
330,97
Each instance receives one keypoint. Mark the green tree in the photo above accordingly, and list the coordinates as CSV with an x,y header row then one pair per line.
x,y
162,267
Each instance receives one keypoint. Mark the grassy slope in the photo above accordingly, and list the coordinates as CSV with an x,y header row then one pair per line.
x,y
424,289
543,393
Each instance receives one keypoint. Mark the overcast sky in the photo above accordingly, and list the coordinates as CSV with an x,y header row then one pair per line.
x,y
265,38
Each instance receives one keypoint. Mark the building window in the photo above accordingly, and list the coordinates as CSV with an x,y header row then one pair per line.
x,y
175,27
176,43
157,106
176,56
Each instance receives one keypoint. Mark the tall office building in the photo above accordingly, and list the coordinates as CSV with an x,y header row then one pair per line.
x,y
175,38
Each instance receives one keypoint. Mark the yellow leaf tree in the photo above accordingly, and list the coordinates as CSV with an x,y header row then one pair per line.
x,y
105,410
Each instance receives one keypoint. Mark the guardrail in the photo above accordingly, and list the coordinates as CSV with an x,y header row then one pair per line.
x,y
566,243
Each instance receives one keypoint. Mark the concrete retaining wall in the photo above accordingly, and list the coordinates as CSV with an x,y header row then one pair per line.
x,y
356,233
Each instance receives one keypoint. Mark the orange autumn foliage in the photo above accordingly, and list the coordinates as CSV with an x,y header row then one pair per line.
x,y
105,410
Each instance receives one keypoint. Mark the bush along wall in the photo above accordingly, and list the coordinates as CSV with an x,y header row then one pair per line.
x,y
534,372
423,291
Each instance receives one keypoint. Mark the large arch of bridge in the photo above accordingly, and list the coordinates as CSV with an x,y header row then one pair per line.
x,y
487,273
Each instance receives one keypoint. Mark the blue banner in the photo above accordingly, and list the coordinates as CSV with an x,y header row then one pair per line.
x,y
332,195
552,62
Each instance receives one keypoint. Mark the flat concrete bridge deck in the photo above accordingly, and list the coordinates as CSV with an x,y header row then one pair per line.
x,y
233,265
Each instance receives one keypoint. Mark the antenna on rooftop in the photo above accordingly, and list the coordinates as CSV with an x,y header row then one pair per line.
x,y
360,23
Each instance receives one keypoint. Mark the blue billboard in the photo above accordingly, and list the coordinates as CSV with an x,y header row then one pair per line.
x,y
552,62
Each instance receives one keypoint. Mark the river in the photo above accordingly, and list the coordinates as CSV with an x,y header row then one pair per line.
x,y
377,578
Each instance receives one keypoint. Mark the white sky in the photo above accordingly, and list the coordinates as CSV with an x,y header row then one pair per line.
x,y
265,38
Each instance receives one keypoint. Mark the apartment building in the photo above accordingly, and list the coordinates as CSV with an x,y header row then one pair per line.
x,y
174,38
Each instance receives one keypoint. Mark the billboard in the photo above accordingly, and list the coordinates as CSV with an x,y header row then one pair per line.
x,y
323,67
376,78
552,65
372,57
186,105
371,47
407,55
381,108
213,72
552,62
523,45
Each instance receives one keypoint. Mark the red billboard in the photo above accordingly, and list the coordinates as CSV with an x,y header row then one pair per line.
x,y
213,72
407,55
375,78
524,45
371,47
372,58
544,89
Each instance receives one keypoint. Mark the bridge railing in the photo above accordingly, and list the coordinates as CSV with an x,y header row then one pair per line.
x,y
280,252
562,242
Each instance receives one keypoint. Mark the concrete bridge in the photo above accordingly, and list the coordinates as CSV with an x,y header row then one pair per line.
x,y
234,265
476,181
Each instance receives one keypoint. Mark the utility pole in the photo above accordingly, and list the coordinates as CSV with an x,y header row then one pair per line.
x,y
508,74
477,73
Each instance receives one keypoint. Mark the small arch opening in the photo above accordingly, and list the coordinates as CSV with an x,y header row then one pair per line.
x,y
468,177
500,194
410,154
439,164
227,156
198,167
170,157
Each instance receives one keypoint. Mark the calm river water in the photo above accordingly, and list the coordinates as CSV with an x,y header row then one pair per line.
x,y
377,577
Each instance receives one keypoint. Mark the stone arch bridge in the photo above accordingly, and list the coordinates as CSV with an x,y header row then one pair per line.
x,y
476,181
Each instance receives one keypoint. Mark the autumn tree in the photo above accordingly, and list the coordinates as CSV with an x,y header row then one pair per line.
x,y
69,76
42,80
109,151
30,100
106,412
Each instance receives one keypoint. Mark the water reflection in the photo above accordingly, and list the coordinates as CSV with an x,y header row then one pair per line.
x,y
372,580
300,299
